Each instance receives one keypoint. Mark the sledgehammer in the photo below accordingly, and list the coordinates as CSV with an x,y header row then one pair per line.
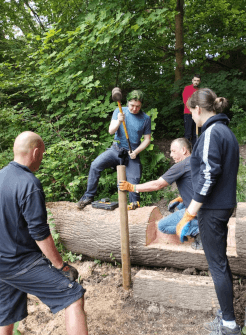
x,y
117,96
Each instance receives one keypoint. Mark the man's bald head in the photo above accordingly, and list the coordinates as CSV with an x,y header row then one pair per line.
x,y
26,141
28,149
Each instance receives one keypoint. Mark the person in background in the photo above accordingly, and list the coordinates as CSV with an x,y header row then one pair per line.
x,y
214,167
25,237
189,124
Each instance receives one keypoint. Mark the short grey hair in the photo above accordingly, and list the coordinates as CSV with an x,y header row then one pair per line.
x,y
183,142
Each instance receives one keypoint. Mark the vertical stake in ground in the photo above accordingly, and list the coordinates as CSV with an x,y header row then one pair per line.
x,y
124,231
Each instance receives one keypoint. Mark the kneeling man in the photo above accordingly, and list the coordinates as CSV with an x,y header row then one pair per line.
x,y
181,174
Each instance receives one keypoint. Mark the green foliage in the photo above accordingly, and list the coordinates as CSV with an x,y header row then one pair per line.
x,y
16,331
169,194
65,254
5,157
154,164
238,122
241,182
64,169
57,75
114,260
98,262
229,84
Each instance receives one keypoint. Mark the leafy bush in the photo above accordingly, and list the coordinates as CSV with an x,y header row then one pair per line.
x,y
241,182
65,167
238,122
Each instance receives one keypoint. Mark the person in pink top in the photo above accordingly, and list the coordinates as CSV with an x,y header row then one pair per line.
x,y
189,124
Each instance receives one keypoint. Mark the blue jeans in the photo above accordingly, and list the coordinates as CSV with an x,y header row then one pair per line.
x,y
213,231
168,224
110,158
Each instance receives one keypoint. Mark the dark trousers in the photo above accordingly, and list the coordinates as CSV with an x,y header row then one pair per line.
x,y
190,129
110,158
213,231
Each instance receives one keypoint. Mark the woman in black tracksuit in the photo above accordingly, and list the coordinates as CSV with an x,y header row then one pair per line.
x,y
214,167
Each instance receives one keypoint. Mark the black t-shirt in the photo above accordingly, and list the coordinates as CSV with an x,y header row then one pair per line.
x,y
23,218
181,174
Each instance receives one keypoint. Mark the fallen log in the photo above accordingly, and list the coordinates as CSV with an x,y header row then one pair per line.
x,y
96,233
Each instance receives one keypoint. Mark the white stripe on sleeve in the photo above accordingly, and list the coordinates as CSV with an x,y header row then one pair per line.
x,y
206,171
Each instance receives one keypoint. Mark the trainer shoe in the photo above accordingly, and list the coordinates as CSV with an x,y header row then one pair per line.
x,y
213,325
197,244
84,201
222,330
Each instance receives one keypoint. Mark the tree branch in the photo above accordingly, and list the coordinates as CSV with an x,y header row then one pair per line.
x,y
35,14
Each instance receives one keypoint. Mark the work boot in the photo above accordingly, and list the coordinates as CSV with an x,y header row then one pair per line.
x,y
133,205
197,244
222,330
213,325
84,201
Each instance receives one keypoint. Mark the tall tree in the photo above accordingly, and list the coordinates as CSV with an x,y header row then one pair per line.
x,y
179,44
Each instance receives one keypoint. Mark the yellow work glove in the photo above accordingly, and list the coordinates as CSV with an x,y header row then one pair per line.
x,y
125,186
184,225
174,203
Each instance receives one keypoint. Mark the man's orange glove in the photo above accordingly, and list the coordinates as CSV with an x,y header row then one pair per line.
x,y
184,225
174,203
126,186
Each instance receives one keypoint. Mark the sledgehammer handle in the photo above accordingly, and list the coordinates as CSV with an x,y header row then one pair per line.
x,y
124,125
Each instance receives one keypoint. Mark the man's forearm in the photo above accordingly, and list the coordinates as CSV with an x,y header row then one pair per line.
x,y
48,248
114,126
151,186
143,145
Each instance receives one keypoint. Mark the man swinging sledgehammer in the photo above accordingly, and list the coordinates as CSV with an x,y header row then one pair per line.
x,y
138,124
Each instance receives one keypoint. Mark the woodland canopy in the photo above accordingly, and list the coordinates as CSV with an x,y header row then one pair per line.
x,y
59,61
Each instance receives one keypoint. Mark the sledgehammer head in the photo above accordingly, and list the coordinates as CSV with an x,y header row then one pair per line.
x,y
116,94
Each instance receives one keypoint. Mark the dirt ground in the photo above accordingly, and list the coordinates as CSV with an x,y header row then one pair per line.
x,y
113,311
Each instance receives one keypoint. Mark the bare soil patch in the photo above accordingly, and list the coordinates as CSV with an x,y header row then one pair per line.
x,y
111,310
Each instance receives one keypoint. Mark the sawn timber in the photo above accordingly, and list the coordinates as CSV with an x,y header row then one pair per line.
x,y
96,233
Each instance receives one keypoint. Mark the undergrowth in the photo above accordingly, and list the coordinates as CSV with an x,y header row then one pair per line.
x,y
65,254
241,182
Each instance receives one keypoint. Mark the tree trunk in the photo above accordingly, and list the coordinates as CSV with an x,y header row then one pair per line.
x,y
179,45
96,233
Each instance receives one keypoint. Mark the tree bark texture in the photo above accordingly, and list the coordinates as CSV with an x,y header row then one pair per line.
x,y
96,233
176,290
179,36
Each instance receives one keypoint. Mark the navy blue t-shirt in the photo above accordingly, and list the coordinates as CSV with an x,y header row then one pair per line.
x,y
23,218
181,174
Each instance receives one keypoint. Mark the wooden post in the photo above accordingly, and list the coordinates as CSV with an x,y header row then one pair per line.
x,y
124,231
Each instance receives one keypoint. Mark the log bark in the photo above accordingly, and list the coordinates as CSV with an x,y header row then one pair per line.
x,y
96,233
241,229
176,290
